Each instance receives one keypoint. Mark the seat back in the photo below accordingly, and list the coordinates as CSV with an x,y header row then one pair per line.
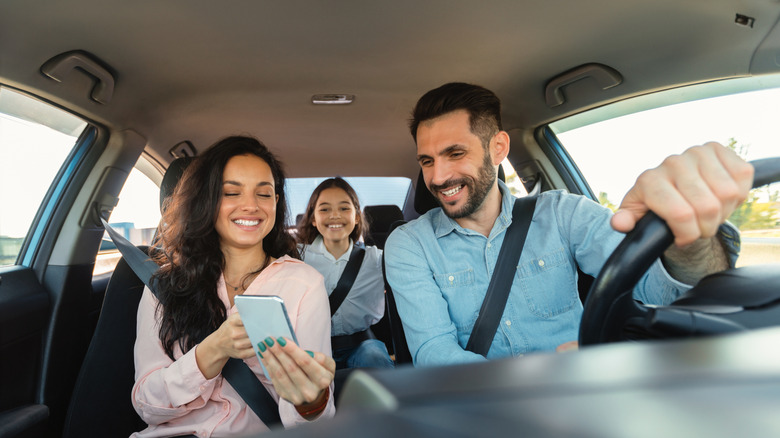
x,y
400,347
100,404
423,202
379,219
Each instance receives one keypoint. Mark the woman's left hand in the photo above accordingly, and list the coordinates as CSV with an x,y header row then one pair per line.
x,y
299,376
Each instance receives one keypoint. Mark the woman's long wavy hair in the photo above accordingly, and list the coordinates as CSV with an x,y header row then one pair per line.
x,y
307,232
190,253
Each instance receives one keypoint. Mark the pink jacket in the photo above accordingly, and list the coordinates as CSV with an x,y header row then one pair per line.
x,y
174,398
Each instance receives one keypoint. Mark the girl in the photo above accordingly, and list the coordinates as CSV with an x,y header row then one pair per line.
x,y
224,236
330,228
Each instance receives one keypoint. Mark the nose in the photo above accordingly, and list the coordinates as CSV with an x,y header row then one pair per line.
x,y
250,203
437,173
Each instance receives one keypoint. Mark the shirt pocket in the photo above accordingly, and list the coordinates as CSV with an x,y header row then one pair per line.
x,y
548,284
459,291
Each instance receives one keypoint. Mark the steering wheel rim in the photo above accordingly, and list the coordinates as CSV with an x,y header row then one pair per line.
x,y
609,304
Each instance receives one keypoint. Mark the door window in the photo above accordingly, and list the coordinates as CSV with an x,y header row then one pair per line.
x,y
612,151
35,140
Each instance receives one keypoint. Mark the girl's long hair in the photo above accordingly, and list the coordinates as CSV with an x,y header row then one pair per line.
x,y
307,232
189,248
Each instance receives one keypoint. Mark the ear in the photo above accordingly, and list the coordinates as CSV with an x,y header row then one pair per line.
x,y
499,147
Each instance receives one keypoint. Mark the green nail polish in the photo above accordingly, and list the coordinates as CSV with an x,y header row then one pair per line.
x,y
261,346
281,341
269,341
311,353
260,354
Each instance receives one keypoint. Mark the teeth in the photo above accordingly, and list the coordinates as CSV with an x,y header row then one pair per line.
x,y
335,226
246,222
451,191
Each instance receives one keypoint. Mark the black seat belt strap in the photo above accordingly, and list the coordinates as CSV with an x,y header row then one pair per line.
x,y
241,378
347,279
501,282
244,381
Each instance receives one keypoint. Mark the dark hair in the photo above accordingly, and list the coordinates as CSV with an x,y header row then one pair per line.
x,y
307,232
483,106
190,253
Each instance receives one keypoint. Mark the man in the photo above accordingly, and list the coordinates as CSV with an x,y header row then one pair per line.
x,y
440,265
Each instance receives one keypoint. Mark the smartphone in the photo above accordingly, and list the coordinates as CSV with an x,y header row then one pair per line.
x,y
264,316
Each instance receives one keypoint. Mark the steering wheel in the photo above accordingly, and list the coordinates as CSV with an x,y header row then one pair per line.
x,y
611,314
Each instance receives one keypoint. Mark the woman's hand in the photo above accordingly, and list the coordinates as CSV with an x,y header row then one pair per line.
x,y
229,340
299,376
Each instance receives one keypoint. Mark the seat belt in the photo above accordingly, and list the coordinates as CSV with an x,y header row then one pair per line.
x,y
347,279
241,378
501,282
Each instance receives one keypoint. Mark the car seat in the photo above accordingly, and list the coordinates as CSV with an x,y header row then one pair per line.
x,y
423,202
100,404
379,219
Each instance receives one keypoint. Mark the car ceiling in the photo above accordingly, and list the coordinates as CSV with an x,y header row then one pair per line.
x,y
201,70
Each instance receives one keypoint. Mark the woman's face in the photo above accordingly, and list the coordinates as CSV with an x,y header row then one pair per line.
x,y
247,210
334,215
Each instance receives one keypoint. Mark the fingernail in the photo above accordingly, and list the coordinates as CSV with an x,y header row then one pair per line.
x,y
281,341
311,353
269,341
260,354
261,346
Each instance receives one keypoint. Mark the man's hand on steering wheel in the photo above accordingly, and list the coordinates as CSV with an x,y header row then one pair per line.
x,y
693,192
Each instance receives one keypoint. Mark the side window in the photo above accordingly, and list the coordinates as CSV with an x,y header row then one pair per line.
x,y
612,152
35,140
136,216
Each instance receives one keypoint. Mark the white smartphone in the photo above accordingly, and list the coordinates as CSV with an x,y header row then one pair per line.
x,y
264,316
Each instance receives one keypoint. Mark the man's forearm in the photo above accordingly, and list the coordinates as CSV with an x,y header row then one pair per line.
x,y
695,261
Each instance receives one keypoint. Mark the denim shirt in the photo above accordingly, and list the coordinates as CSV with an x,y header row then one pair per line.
x,y
440,271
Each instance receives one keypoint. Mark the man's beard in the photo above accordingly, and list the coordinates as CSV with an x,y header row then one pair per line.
x,y
477,189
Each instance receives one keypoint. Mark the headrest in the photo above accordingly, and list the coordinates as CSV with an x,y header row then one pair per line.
x,y
380,217
424,199
172,176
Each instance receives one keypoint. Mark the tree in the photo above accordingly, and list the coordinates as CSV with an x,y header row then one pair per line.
x,y
604,200
754,214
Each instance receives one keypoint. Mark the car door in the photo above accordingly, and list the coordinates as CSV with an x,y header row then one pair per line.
x,y
48,309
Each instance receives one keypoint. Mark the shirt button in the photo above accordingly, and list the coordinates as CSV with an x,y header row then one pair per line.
x,y
489,245
451,278
508,322
541,263
202,388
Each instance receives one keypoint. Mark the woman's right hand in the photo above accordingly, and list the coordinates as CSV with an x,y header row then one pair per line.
x,y
299,376
229,340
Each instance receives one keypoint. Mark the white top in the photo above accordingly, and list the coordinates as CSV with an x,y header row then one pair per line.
x,y
365,303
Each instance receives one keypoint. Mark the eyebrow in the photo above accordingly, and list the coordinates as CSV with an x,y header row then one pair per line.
x,y
236,183
445,151
328,203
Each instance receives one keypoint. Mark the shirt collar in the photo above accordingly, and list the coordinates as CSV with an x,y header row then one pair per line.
x,y
444,224
318,246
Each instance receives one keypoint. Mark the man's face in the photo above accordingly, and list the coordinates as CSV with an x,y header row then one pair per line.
x,y
456,168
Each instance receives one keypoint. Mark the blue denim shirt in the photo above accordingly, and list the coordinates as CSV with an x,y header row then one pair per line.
x,y
440,271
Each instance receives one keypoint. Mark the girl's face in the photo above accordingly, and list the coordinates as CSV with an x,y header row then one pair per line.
x,y
247,211
334,215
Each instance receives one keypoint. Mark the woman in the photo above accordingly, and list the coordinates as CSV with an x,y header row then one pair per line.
x,y
224,236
